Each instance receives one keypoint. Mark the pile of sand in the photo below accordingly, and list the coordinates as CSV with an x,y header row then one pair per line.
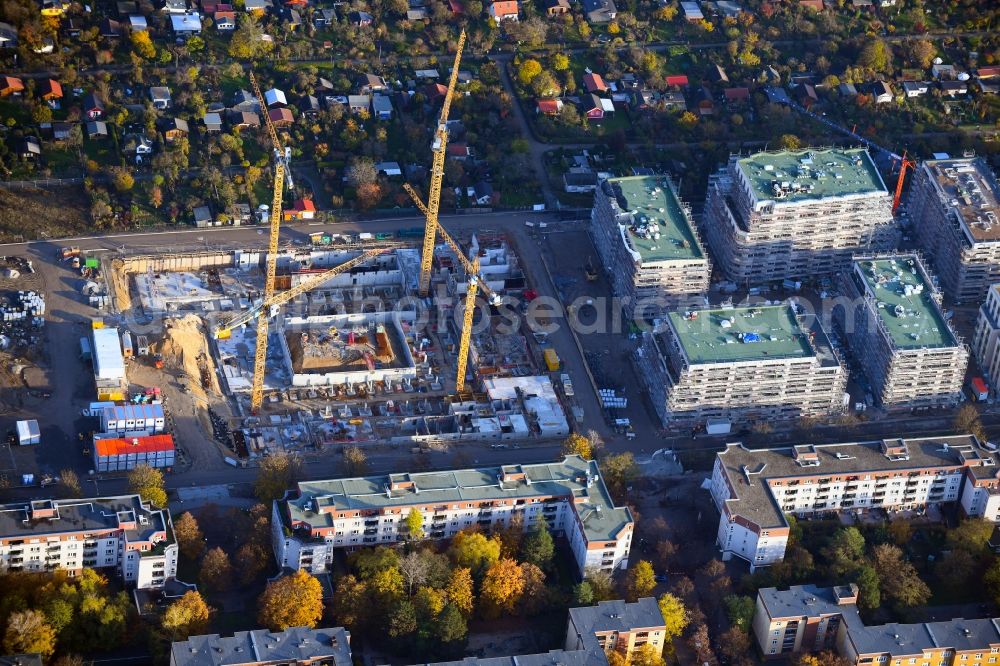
x,y
185,347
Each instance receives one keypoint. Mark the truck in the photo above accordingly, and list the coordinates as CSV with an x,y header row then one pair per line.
x,y
980,391
718,427
551,360
567,384
320,238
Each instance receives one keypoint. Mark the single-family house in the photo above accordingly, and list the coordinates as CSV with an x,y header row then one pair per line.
x,y
51,91
777,95
175,7
186,24
359,103
692,12
678,80
728,9
203,217
213,122
209,6
160,95
173,128
941,71
771,75
549,106
137,23
244,100
483,193
915,88
594,83
371,83
579,181
309,106
417,14
244,119
302,209
737,95
600,11
281,116
8,36
92,106
459,150
716,74
59,131
673,100
389,168
556,7
360,18
503,10
882,92
110,29
592,107
257,7
988,72
324,86
96,129
704,104
642,100
847,90
953,88
29,148
382,106
293,19
435,92
324,18
427,74
629,81
240,213
805,95
275,97
11,85
989,86
225,21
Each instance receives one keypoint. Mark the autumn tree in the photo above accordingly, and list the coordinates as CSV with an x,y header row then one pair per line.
x,y
70,483
361,171
29,632
278,472
577,445
675,616
414,525
295,600
350,603
920,52
414,568
216,571
538,547
701,645
247,42
459,590
355,460
967,421
190,538
601,584
148,482
474,551
734,643
900,582
640,582
560,62
502,587
647,655
142,44
789,142
619,471
187,616
876,55
991,579
535,595
528,70
825,658
251,560
972,535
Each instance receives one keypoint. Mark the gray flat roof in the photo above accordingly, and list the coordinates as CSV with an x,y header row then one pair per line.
x,y
731,335
79,515
970,187
616,615
661,229
249,647
601,519
755,501
905,303
812,174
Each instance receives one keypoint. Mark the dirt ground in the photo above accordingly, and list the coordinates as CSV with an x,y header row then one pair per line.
x,y
32,214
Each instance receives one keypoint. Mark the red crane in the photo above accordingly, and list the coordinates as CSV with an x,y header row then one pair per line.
x,y
905,163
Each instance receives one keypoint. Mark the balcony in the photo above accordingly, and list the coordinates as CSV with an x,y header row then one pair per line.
x,y
437,534
371,523
369,539
369,532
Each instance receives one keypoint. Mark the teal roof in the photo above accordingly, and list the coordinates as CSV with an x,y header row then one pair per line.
x,y
796,176
661,230
741,334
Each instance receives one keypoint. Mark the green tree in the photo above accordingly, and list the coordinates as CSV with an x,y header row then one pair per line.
x,y
451,626
869,587
148,482
187,616
991,579
474,550
972,535
29,632
675,616
247,42
402,619
846,550
583,594
900,583
295,600
538,547
369,561
278,473
350,603
414,525
739,609
619,471
640,582
190,538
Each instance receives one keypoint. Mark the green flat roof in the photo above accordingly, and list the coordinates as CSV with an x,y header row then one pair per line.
x,y
811,174
905,305
656,211
740,334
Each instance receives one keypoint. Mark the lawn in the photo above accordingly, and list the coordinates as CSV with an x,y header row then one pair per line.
x,y
101,151
11,109
62,160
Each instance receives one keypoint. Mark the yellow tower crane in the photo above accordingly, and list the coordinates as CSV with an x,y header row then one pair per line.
x,y
263,309
440,148
271,261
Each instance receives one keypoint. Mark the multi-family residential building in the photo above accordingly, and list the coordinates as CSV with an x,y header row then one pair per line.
x,y
795,214
754,489
954,207
807,618
326,516
648,244
119,533
616,625
740,364
297,646
897,331
986,343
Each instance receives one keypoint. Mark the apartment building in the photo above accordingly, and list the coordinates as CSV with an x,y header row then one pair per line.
x,y
297,646
745,364
897,331
648,245
954,207
120,534
325,516
796,214
986,342
807,618
616,625
754,489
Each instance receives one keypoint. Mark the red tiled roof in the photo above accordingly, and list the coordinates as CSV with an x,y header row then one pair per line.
x,y
548,105
147,444
304,205
12,84
677,80
737,93
504,7
594,83
280,115
52,87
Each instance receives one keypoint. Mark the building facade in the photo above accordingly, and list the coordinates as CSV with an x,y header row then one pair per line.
x,y
616,625
120,534
986,343
740,364
796,214
326,516
954,207
755,489
897,331
807,618
648,245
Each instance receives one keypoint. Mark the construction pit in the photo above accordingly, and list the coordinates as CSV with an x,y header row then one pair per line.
x,y
354,360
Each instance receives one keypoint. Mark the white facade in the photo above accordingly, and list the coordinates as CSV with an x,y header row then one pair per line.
x,y
107,354
133,418
986,343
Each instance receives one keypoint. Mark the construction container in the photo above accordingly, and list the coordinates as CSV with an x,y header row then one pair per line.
x,y
127,350
551,360
131,417
85,352
96,324
97,408
718,427
119,454
91,262
108,360
28,432
142,345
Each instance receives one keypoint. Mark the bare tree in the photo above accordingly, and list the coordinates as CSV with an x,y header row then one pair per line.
x,y
414,568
